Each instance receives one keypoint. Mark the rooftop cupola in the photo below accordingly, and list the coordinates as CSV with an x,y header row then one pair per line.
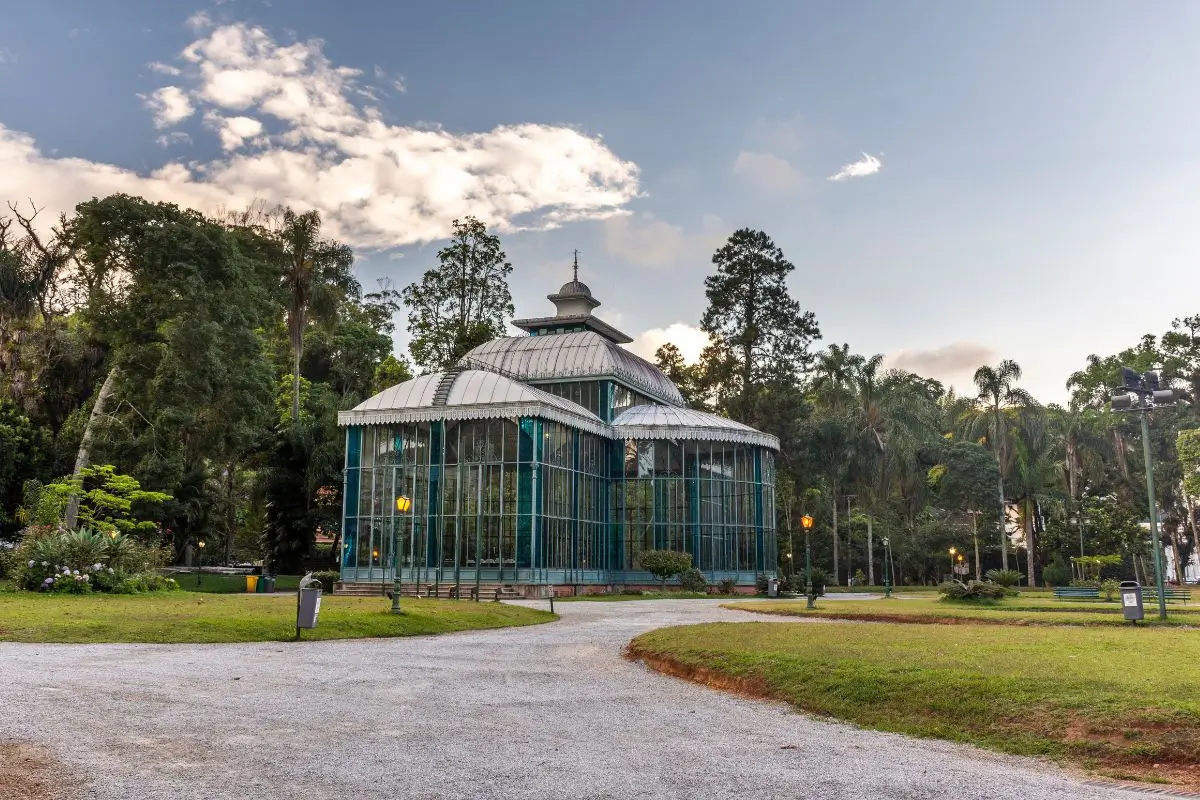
x,y
573,304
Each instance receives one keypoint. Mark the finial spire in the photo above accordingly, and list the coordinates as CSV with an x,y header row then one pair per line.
x,y
576,264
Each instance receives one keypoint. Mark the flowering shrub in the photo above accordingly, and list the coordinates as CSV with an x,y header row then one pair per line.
x,y
75,562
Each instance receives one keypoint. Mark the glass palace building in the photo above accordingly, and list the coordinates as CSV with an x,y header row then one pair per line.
x,y
552,459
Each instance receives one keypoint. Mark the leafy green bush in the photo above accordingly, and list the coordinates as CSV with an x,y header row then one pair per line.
x,y
1057,572
1109,589
665,564
820,579
727,586
1005,577
973,590
57,560
693,580
327,577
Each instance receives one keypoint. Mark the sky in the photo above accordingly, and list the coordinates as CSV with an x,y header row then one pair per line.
x,y
955,182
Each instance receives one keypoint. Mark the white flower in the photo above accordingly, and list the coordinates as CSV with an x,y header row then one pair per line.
x,y
76,572
96,567
85,577
31,563
46,564
110,570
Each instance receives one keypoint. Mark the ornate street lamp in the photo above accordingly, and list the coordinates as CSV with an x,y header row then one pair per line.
x,y
1142,394
806,522
199,561
403,505
953,552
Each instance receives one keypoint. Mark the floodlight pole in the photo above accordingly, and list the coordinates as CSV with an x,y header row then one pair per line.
x,y
1158,565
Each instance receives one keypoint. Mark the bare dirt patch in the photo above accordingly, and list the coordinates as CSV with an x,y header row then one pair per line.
x,y
29,772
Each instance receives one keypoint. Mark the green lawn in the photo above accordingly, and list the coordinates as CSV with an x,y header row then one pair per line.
x,y
1119,701
178,617
1023,610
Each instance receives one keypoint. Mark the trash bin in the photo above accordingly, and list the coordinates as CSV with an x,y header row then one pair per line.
x,y
1131,600
772,587
251,583
308,603
266,584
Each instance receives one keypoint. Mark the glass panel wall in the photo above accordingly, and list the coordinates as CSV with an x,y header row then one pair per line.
x,y
697,497
501,495
588,394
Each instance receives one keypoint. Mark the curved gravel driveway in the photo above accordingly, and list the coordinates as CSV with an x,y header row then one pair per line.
x,y
550,711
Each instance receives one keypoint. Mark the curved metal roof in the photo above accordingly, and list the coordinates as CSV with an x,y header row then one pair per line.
x,y
667,422
472,394
585,354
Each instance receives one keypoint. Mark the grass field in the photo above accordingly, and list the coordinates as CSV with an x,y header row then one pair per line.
x,y
1123,702
1024,610
179,617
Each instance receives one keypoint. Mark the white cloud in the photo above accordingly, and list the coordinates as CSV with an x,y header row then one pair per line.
x,y
953,365
174,137
766,172
690,340
233,131
377,184
7,56
164,69
647,241
643,239
867,165
170,106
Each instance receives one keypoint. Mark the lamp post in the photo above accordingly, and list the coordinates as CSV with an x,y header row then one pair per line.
x,y
887,567
953,552
199,561
975,540
806,522
1142,394
403,505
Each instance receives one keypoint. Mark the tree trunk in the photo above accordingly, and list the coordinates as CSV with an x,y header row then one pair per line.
x,y
1003,527
82,458
295,383
836,573
870,552
230,512
1029,511
975,541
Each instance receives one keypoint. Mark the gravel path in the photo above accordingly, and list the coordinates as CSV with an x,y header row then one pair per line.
x,y
550,711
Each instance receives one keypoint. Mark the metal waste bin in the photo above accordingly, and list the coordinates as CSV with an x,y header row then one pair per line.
x,y
1131,601
308,603
772,587
266,584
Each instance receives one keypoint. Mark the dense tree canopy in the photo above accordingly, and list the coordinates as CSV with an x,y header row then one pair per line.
x,y
200,363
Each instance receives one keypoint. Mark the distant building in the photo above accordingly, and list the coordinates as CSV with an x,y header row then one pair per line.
x,y
552,459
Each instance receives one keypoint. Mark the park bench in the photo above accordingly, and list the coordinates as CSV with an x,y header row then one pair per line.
x,y
1182,595
1076,593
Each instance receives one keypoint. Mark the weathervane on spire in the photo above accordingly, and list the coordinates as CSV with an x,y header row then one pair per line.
x,y
576,265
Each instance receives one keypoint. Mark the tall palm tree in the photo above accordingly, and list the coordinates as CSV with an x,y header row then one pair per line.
x,y
316,277
1034,473
998,392
1084,448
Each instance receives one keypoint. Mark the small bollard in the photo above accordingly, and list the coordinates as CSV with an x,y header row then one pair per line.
x,y
551,599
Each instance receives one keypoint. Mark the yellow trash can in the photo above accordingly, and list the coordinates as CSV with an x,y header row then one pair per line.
x,y
251,583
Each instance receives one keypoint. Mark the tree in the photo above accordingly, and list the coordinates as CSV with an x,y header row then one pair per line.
x,y
665,564
1188,447
760,334
461,303
688,377
315,276
997,393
